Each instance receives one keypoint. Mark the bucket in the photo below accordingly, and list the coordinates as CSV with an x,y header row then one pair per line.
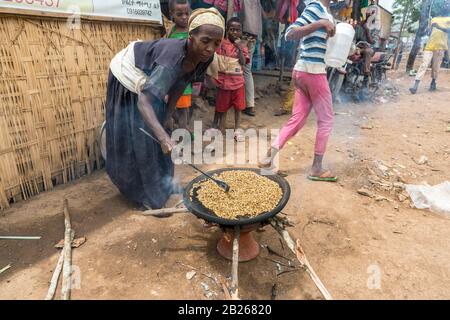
x,y
338,47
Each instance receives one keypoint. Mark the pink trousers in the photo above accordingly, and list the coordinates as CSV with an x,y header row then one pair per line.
x,y
311,92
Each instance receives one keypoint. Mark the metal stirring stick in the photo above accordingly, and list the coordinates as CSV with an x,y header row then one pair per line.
x,y
220,183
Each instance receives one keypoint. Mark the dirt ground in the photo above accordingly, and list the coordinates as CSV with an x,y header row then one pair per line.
x,y
348,238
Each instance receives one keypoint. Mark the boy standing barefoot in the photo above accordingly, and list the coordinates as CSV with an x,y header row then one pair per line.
x,y
232,55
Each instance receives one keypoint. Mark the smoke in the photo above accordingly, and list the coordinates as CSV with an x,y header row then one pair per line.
x,y
172,184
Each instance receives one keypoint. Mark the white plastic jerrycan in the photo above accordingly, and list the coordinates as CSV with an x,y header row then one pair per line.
x,y
338,47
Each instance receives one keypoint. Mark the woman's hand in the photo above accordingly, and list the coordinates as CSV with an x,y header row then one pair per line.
x,y
329,27
167,145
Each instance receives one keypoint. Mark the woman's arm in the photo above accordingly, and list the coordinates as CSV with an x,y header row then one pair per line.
x,y
296,32
149,116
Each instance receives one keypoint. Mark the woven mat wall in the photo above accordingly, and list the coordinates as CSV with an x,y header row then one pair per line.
x,y
52,95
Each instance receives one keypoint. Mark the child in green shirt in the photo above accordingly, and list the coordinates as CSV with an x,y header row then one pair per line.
x,y
180,11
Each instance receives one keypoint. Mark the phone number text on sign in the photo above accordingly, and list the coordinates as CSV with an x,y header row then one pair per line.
x,y
144,7
48,3
139,12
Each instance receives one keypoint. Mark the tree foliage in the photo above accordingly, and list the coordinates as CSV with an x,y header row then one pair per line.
x,y
423,23
412,23
413,13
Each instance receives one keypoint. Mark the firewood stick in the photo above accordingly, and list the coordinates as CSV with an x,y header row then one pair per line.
x,y
226,292
301,257
164,211
67,265
55,277
234,267
283,233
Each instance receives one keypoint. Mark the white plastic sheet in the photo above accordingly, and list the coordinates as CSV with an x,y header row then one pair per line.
x,y
436,198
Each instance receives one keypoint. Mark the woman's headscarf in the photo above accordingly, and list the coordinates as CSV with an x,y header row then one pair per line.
x,y
201,17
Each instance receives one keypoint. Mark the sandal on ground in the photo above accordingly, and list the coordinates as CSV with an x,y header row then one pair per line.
x,y
249,113
326,176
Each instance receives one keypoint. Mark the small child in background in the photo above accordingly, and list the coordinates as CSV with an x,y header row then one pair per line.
x,y
180,11
231,56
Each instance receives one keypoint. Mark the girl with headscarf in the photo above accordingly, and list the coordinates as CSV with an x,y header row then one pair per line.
x,y
146,80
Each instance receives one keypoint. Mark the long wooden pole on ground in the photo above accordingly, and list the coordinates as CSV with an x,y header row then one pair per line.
x,y
164,211
67,266
56,273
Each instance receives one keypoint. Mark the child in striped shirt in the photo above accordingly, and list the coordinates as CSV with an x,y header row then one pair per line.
x,y
312,91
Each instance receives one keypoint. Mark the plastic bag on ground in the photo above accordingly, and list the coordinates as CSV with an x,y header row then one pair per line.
x,y
436,198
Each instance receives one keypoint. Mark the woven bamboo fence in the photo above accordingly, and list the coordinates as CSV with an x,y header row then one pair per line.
x,y
52,95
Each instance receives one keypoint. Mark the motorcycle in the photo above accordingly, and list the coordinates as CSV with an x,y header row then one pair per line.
x,y
350,77
336,76
354,78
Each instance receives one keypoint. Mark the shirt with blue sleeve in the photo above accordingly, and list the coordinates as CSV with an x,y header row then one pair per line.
x,y
314,45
